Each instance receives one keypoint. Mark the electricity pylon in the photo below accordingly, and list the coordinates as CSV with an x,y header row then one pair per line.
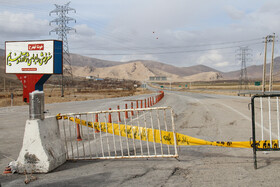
x,y
62,30
242,56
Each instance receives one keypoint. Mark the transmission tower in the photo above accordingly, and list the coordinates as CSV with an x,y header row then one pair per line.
x,y
242,55
62,30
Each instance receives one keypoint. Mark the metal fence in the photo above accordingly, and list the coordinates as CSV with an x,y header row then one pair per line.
x,y
265,124
112,134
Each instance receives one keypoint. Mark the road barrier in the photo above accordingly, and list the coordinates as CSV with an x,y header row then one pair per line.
x,y
125,138
265,115
160,136
139,137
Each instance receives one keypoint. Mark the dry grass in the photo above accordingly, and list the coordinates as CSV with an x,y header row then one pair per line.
x,y
54,95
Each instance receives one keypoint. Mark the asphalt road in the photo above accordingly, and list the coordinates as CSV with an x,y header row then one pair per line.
x,y
210,117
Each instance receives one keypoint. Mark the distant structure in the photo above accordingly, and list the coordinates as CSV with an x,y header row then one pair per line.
x,y
158,78
62,30
242,55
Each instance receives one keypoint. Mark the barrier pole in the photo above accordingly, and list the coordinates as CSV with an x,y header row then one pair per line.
x,y
110,117
132,113
269,122
119,114
79,138
96,120
261,106
126,113
278,123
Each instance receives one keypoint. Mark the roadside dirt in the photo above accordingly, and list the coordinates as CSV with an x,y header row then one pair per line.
x,y
54,95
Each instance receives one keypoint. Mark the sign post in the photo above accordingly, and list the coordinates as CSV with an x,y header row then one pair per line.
x,y
34,62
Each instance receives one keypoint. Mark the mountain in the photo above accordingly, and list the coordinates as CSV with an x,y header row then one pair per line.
x,y
142,69
256,71
180,71
163,67
133,70
204,76
137,70
79,60
199,69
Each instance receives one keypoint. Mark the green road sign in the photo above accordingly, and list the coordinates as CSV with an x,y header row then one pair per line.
x,y
257,83
162,86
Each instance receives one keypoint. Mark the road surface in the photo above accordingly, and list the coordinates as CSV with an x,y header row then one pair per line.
x,y
209,117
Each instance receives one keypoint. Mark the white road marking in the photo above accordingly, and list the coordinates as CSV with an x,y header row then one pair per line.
x,y
246,117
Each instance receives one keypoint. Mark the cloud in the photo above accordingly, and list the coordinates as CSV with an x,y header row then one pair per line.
x,y
84,30
221,64
210,58
17,25
234,13
153,26
214,59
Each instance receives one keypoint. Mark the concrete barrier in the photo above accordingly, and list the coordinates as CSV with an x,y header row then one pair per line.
x,y
42,149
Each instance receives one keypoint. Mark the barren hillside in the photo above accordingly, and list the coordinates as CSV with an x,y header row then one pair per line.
x,y
134,70
143,69
256,71
139,71
205,76
79,60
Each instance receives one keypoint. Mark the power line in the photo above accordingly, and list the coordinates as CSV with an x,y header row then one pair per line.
x,y
168,52
179,47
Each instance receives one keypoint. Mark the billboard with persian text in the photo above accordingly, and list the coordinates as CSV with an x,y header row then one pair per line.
x,y
34,57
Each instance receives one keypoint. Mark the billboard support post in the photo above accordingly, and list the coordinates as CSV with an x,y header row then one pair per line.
x,y
32,82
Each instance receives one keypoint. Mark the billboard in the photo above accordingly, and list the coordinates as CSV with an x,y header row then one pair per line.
x,y
34,57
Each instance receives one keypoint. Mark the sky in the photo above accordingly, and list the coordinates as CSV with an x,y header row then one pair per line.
x,y
178,32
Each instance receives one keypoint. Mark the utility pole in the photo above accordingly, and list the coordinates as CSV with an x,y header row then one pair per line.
x,y
242,56
62,30
269,38
271,65
264,64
